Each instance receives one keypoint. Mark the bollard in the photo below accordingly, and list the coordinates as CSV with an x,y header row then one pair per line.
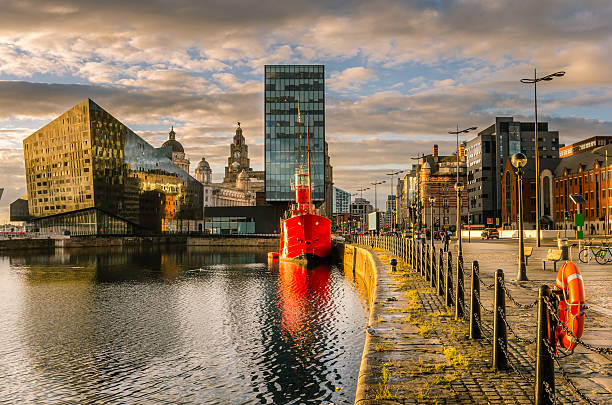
x,y
459,293
440,277
500,343
545,371
432,266
393,264
475,332
448,298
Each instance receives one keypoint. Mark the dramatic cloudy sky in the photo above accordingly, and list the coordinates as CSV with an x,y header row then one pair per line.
x,y
400,74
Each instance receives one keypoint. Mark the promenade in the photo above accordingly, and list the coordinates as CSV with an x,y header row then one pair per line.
x,y
419,353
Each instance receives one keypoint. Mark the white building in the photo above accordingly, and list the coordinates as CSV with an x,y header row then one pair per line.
x,y
342,201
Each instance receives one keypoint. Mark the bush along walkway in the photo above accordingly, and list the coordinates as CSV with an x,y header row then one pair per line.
x,y
420,351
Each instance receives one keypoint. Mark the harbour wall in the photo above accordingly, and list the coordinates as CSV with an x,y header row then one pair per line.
x,y
94,241
365,266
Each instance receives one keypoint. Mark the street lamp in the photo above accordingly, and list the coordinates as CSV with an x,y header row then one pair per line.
x,y
432,200
535,81
459,188
519,161
607,213
392,174
375,200
458,183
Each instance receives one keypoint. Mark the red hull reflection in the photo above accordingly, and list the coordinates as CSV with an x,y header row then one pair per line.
x,y
303,293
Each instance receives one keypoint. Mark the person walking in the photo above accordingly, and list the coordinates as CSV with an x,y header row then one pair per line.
x,y
445,240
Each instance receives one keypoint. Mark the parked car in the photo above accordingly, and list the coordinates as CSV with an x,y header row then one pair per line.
x,y
490,233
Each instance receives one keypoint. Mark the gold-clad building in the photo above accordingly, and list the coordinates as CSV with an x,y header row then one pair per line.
x,y
87,173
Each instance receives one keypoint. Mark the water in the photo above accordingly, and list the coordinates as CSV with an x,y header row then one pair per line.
x,y
175,326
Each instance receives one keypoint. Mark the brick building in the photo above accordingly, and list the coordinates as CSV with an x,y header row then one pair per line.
x,y
438,178
584,173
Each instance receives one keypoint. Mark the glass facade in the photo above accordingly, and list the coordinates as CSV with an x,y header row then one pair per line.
x,y
229,225
86,159
284,86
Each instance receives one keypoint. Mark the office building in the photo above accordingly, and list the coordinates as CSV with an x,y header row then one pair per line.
x,y
584,145
285,86
438,175
87,173
361,207
487,154
342,201
391,212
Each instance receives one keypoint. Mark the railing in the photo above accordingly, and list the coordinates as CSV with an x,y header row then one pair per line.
x,y
440,276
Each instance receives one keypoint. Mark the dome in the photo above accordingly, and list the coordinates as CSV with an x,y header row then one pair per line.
x,y
174,144
426,166
235,165
203,165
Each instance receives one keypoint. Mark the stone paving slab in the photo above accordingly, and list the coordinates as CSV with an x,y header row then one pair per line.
x,y
414,361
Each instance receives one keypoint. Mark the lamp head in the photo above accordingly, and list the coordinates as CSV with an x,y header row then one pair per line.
x,y
519,160
459,186
432,199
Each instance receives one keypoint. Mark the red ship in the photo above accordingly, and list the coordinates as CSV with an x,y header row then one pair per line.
x,y
304,236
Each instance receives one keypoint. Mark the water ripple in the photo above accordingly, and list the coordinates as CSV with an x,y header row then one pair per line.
x,y
175,327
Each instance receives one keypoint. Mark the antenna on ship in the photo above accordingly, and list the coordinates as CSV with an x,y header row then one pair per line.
x,y
309,179
299,122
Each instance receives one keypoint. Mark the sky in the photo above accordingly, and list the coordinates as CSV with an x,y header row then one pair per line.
x,y
399,74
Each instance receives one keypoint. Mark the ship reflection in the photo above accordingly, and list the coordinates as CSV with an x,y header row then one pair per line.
x,y
304,298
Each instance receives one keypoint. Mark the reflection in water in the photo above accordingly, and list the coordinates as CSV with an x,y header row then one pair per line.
x,y
175,325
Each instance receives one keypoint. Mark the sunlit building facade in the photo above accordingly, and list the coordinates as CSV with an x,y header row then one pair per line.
x,y
87,173
285,86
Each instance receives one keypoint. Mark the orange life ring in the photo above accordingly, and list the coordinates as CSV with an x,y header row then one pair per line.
x,y
571,304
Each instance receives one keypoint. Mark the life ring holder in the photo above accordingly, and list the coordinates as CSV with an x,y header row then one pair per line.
x,y
569,285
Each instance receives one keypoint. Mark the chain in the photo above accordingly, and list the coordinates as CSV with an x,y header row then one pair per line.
x,y
487,286
483,329
504,349
551,393
564,374
477,295
516,336
515,302
600,350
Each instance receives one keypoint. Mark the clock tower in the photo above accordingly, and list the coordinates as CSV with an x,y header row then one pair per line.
x,y
238,159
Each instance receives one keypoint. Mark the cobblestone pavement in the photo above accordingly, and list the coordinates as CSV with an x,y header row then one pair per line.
x,y
424,355
591,372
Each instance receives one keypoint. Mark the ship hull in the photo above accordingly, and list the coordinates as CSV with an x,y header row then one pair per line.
x,y
305,238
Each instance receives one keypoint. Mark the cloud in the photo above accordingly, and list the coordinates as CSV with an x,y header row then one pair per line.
x,y
350,79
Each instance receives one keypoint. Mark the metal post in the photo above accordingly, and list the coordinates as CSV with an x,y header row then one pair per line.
x,y
545,371
522,269
475,332
448,298
432,266
423,257
428,263
537,156
459,294
440,278
500,362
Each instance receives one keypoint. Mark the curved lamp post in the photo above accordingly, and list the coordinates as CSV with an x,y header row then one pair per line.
x,y
535,81
432,200
375,201
519,161
459,188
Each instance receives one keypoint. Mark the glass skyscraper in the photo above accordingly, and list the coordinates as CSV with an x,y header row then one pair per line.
x,y
87,173
284,86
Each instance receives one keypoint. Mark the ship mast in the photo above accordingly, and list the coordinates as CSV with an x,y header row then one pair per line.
x,y
309,178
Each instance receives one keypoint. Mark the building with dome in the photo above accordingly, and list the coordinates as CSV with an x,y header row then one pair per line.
x,y
175,151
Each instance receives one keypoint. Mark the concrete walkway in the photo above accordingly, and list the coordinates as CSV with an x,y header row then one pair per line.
x,y
420,354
